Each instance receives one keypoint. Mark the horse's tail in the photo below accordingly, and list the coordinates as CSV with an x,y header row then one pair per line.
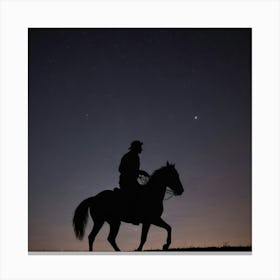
x,y
80,217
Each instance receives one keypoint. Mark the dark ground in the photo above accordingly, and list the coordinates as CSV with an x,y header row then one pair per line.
x,y
211,249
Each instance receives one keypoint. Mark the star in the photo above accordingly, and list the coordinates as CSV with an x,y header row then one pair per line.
x,y
85,116
195,118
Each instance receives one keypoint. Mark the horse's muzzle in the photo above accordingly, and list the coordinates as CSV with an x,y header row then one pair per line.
x,y
179,192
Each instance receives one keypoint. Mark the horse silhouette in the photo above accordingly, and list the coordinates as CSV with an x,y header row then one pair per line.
x,y
142,206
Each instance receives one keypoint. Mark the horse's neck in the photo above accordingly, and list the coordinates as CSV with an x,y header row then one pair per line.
x,y
157,189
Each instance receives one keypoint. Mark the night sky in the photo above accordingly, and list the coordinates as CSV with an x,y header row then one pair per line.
x,y
185,93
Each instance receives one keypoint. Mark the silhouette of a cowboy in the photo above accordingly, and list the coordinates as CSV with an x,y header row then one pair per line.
x,y
130,168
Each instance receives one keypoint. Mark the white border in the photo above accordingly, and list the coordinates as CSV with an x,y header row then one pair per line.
x,y
17,16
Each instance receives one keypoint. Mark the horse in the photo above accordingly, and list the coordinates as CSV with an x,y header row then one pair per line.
x,y
143,206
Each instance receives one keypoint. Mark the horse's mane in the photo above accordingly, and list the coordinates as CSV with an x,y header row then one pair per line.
x,y
156,173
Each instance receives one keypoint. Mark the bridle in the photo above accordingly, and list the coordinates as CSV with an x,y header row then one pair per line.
x,y
144,179
170,192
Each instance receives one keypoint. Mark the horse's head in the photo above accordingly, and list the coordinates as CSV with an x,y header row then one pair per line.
x,y
172,179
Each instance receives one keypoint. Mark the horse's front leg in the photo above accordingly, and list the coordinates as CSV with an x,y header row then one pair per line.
x,y
161,223
145,229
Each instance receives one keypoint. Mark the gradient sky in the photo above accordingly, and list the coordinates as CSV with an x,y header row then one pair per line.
x,y
186,93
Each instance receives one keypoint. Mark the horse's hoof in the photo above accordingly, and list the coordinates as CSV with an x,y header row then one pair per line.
x,y
165,247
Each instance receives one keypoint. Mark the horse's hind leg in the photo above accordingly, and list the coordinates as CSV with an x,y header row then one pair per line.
x,y
96,227
161,223
114,229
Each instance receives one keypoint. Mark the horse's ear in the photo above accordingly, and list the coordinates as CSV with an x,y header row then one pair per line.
x,y
167,163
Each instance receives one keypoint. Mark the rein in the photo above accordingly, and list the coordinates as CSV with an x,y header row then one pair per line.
x,y
145,179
